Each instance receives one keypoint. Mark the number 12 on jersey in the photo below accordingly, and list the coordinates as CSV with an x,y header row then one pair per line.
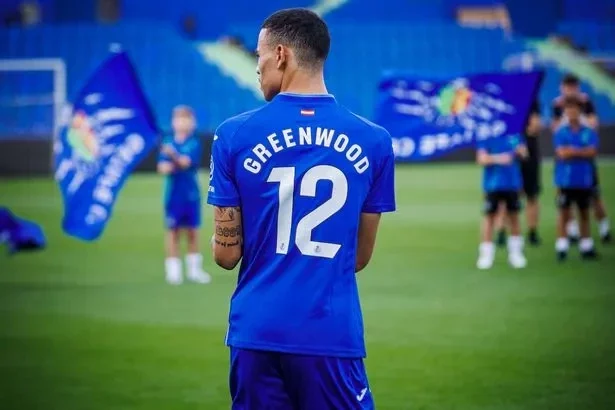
x,y
285,177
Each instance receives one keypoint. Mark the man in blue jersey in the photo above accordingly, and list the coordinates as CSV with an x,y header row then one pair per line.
x,y
298,187
179,161
501,184
575,149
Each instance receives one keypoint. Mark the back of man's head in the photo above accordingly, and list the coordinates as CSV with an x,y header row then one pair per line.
x,y
304,32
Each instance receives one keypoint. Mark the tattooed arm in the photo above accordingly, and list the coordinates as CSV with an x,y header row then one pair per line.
x,y
228,238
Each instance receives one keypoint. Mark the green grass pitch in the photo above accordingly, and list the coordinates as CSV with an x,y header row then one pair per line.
x,y
94,326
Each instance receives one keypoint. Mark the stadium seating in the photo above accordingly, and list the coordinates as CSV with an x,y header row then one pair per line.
x,y
366,42
588,10
430,50
171,69
595,36
217,17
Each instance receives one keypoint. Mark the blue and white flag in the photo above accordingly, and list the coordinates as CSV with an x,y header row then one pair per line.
x,y
110,129
428,118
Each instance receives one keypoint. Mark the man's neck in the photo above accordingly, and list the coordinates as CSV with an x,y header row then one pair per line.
x,y
302,82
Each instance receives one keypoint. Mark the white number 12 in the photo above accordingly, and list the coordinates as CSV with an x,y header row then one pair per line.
x,y
285,176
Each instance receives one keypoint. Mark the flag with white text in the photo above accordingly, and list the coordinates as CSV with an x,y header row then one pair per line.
x,y
108,131
428,118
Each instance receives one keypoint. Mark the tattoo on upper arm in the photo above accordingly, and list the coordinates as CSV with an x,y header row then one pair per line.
x,y
228,226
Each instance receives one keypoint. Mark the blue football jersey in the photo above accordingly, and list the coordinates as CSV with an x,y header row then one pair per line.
x,y
183,184
302,169
502,177
576,172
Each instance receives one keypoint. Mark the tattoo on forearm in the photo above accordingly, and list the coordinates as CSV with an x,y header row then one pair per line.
x,y
228,232
228,226
225,244
227,214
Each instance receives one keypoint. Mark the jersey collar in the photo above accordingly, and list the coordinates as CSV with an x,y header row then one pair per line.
x,y
305,97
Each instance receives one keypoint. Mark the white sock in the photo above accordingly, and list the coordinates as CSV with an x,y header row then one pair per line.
x,y
515,244
586,244
562,245
195,263
486,249
572,229
604,227
173,267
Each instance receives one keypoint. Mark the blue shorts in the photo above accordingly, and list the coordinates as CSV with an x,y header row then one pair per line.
x,y
282,381
184,215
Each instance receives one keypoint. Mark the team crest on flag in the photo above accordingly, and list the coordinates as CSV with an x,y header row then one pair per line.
x,y
430,118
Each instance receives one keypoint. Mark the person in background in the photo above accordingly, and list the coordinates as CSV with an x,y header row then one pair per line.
x,y
530,173
501,184
179,161
575,148
570,87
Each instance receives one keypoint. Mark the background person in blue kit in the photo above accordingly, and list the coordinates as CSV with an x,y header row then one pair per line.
x,y
179,162
576,146
501,185
531,177
571,87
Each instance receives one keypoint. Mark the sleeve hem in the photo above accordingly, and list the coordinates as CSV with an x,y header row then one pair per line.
x,y
223,201
378,208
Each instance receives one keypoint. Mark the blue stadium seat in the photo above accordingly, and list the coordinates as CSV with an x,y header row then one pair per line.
x,y
595,36
588,10
171,69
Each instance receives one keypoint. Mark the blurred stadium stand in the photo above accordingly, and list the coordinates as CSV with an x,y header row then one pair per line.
x,y
592,35
180,58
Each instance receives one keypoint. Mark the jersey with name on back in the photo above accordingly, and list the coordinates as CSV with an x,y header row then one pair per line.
x,y
502,177
574,173
182,185
303,169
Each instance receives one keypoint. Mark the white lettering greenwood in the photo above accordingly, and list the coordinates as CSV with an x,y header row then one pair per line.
x,y
325,137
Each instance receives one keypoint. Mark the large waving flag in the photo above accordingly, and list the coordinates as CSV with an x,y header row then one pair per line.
x,y
109,131
428,118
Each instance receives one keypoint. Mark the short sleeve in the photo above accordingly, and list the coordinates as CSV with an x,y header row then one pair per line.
x,y
381,195
557,138
162,157
516,140
222,185
195,153
589,108
593,138
481,145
